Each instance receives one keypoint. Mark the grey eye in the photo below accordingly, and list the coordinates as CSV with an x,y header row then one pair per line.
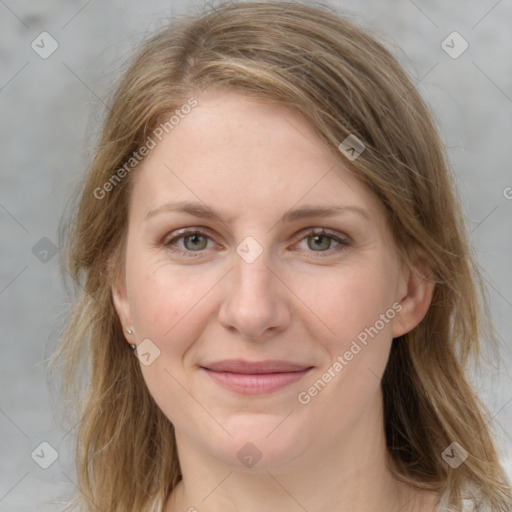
x,y
196,242
319,242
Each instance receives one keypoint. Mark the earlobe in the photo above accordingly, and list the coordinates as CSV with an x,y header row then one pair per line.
x,y
122,307
416,299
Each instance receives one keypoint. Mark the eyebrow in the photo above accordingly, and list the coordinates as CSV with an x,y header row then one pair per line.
x,y
203,211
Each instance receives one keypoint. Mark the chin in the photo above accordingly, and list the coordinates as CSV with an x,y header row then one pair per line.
x,y
259,442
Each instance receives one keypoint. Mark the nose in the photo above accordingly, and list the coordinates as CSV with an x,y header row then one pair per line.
x,y
256,302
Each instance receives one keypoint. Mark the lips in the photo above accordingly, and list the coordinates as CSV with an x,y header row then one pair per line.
x,y
255,377
255,367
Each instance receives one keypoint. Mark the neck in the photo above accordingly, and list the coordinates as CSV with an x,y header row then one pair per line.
x,y
353,474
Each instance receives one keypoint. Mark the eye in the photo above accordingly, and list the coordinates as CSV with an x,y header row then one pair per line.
x,y
192,241
319,240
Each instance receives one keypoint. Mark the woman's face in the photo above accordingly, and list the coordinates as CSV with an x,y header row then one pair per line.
x,y
230,260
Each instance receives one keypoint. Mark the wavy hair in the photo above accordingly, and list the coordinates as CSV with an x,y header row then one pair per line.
x,y
343,82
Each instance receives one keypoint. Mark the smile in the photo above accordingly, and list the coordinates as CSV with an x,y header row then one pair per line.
x,y
253,378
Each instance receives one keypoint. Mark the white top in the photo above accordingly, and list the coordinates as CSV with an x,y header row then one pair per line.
x,y
469,504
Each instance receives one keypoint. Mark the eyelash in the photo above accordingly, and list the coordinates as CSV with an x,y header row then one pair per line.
x,y
343,242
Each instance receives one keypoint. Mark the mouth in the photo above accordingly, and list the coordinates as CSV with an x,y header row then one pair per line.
x,y
255,377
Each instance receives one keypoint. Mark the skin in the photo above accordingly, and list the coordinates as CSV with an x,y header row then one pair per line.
x,y
303,299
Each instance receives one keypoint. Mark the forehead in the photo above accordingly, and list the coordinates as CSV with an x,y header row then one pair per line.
x,y
246,156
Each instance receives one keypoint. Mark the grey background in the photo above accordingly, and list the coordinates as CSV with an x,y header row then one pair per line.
x,y
50,110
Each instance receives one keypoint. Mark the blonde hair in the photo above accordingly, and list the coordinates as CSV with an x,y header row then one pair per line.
x,y
344,82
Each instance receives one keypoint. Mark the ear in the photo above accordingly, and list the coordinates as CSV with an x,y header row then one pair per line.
x,y
415,294
122,307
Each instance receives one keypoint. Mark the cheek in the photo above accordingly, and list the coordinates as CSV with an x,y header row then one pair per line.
x,y
170,306
167,301
347,301
351,306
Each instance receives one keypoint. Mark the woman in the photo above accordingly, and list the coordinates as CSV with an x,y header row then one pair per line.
x,y
278,299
